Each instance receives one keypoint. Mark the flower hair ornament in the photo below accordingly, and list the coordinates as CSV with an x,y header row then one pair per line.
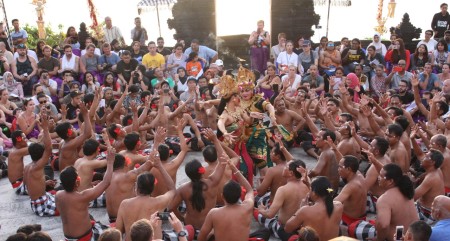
x,y
127,161
117,130
130,121
330,190
201,170
19,138
69,132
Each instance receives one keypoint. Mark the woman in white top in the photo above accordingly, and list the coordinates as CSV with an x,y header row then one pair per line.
x,y
287,58
291,81
380,48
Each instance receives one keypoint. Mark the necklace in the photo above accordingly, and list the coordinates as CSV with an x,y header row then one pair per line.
x,y
236,114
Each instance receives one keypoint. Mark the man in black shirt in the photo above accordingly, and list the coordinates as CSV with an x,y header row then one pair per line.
x,y
440,22
125,67
405,96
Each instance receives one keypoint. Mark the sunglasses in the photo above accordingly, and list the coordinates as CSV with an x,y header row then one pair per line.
x,y
42,102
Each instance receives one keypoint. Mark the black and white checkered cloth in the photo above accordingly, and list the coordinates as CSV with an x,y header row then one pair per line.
x,y
99,202
44,206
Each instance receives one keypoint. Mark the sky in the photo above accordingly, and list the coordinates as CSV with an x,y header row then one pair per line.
x,y
357,20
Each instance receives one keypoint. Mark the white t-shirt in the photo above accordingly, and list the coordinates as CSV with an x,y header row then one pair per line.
x,y
284,60
431,45
53,84
96,51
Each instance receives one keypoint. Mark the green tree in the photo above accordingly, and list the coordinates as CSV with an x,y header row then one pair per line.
x,y
52,37
294,18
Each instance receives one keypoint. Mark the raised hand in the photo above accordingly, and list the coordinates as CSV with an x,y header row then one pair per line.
x,y
111,155
160,135
63,109
42,119
133,106
209,134
83,108
366,110
414,81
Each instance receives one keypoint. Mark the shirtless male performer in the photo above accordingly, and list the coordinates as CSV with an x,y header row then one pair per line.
x,y
327,164
86,165
354,194
318,211
376,152
396,206
71,144
287,118
274,175
15,161
74,204
231,222
164,154
432,184
285,202
438,142
200,194
42,202
122,184
143,205
210,156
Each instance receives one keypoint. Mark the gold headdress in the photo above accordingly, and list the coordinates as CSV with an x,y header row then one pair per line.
x,y
245,78
228,86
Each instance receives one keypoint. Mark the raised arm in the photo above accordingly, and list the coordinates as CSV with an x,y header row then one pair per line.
x,y
417,100
183,147
47,141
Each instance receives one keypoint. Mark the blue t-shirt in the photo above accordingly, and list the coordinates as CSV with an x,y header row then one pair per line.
x,y
203,52
112,59
17,35
433,78
441,231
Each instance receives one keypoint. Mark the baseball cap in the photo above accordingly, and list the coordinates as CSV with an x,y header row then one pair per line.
x,y
219,62
306,43
21,46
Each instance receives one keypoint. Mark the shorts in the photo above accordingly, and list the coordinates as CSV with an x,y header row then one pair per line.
x,y
44,206
92,234
371,205
424,213
362,230
346,220
20,187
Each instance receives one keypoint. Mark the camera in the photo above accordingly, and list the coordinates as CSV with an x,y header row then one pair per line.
x,y
136,78
107,67
166,91
164,216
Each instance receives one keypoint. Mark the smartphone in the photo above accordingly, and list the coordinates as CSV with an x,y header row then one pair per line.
x,y
395,47
102,103
164,216
398,232
397,68
275,87
166,91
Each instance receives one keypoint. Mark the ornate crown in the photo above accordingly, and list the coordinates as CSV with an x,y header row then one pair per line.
x,y
228,86
245,78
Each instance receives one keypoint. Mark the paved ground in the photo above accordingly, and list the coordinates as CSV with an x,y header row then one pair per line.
x,y
16,211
